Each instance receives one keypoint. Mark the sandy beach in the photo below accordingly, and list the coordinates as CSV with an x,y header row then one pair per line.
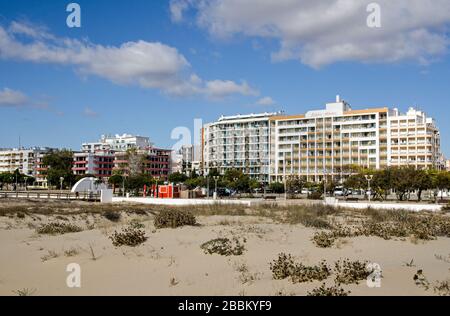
x,y
171,262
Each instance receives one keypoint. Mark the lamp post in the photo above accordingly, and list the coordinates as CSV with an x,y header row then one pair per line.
x,y
216,178
369,178
61,180
284,175
123,185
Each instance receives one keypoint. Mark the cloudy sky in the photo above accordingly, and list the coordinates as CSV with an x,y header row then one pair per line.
x,y
147,67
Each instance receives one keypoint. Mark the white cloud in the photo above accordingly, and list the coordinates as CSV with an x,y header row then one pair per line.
x,y
177,9
220,89
319,33
266,101
88,112
150,65
12,98
17,99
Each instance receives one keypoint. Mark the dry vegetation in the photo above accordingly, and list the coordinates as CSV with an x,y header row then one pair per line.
x,y
329,226
224,247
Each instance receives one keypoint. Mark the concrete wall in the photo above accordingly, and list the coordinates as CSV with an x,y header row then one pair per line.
x,y
388,206
182,202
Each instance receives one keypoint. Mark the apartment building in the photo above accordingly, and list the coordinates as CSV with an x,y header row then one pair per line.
x,y
117,143
188,158
328,142
151,161
238,142
414,140
17,159
321,143
99,163
28,161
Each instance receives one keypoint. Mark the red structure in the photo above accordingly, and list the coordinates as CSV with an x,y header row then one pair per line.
x,y
165,191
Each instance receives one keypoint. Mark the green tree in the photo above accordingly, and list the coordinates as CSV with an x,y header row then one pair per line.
x,y
277,187
59,165
137,182
294,184
193,183
441,181
116,180
422,181
177,177
356,181
402,181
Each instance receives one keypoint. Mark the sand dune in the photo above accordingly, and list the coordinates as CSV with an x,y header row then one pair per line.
x,y
171,261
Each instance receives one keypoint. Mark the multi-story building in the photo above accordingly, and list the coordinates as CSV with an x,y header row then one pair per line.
x,y
322,143
99,163
151,161
189,158
28,161
117,143
328,142
414,140
238,142
447,164
17,159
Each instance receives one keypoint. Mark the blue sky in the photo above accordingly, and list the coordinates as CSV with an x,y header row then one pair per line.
x,y
224,63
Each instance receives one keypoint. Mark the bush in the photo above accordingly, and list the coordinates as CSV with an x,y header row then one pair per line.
x,y
315,196
174,219
21,215
328,291
324,239
136,224
349,272
285,267
129,236
224,247
304,273
58,229
307,217
112,216
282,267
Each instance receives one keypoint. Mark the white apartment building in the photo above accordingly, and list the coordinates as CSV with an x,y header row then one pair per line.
x,y
117,143
238,142
327,142
17,159
27,161
414,140
188,158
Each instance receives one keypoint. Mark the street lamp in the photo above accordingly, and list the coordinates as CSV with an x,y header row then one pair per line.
x,y
216,178
284,175
61,180
369,178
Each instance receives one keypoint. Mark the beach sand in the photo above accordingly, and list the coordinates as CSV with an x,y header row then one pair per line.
x,y
171,261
